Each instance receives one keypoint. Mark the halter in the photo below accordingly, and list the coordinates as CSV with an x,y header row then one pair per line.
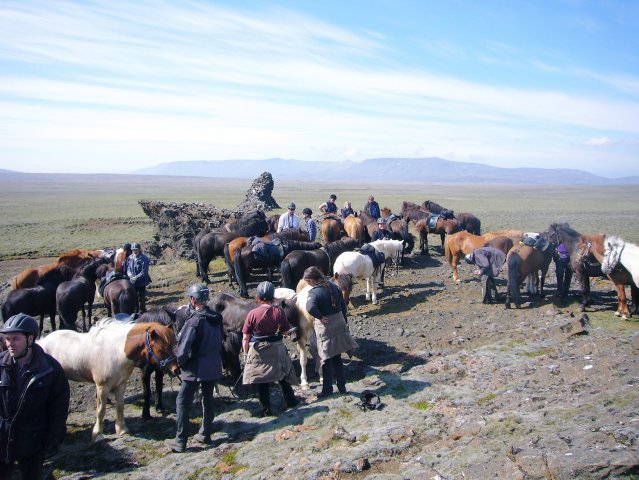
x,y
152,355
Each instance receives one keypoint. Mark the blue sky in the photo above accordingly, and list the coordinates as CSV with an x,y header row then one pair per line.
x,y
99,86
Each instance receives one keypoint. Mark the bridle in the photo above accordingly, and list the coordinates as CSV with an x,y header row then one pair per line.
x,y
152,355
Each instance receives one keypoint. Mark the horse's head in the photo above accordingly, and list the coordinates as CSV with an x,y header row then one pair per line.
x,y
159,346
613,247
345,283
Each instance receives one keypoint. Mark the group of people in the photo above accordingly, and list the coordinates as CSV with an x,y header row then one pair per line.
x,y
266,359
291,220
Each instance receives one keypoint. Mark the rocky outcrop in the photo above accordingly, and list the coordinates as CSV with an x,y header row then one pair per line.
x,y
259,196
177,224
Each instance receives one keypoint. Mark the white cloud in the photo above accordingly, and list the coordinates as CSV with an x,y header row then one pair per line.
x,y
598,141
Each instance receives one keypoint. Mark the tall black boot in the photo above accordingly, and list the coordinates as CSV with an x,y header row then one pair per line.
x,y
264,394
289,396
339,373
327,386
487,297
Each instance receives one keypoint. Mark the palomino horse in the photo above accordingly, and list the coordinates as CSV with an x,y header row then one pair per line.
x,y
617,251
360,266
38,300
106,356
461,243
594,246
71,296
354,228
293,266
331,228
523,264
73,259
238,243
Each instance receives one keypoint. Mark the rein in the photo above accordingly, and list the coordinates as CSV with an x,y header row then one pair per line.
x,y
152,355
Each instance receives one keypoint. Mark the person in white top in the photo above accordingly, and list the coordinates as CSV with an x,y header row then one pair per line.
x,y
288,220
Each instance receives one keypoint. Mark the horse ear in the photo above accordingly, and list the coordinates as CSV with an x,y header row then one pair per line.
x,y
336,275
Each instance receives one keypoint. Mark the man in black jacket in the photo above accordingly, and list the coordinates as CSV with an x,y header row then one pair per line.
x,y
34,400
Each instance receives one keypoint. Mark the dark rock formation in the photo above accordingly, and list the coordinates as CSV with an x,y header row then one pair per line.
x,y
177,224
259,195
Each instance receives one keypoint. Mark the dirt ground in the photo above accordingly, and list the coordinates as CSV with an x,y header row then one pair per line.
x,y
423,318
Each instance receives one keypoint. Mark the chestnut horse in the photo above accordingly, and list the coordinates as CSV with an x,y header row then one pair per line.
x,y
331,228
523,264
595,245
354,228
293,266
106,356
461,243
73,259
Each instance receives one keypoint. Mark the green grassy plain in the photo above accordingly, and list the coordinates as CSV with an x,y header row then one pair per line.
x,y
44,215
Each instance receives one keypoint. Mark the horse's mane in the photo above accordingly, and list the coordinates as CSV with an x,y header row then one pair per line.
x,y
300,245
55,275
252,223
163,315
432,206
292,233
338,246
343,281
616,241
564,229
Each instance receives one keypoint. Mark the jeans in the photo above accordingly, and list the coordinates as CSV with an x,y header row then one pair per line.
x,y
183,403
31,468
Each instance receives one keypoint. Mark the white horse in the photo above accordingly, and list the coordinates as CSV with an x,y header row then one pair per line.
x,y
360,266
106,356
616,250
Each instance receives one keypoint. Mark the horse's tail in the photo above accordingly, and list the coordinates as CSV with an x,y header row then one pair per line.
x,y
239,273
127,301
513,277
200,271
287,274
408,238
229,262
448,253
231,347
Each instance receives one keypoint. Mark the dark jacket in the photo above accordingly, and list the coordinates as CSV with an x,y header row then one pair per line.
x,y
35,418
380,234
137,268
199,346
489,260
373,209
319,301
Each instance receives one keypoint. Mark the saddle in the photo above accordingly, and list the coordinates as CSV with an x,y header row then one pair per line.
x,y
388,220
535,240
376,257
269,252
432,222
108,278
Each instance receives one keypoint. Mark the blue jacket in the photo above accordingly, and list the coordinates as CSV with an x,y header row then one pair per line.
x,y
199,346
35,418
137,268
311,229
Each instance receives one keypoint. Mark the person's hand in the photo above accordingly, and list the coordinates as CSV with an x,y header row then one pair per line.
x,y
477,272
324,320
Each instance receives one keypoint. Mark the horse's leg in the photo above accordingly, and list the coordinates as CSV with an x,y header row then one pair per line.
x,y
159,387
100,410
301,347
120,427
368,294
622,307
453,264
146,389
84,319
442,235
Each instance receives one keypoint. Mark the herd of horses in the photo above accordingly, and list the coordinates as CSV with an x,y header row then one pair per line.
x,y
107,353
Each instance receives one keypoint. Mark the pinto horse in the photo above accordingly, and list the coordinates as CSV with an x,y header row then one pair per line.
x,y
73,259
331,228
461,243
360,266
618,251
523,264
593,245
72,295
293,266
38,300
246,260
106,356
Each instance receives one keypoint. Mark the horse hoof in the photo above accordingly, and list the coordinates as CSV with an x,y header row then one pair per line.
x,y
305,386
506,307
619,315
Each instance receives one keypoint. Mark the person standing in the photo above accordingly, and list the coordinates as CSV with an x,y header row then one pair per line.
x,y
198,352
34,400
562,270
266,357
490,261
309,224
137,269
289,219
372,207
382,233
347,210
326,304
329,206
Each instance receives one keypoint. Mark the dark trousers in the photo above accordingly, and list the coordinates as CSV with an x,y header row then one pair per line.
x,y
141,291
564,277
333,366
488,288
30,468
263,390
183,403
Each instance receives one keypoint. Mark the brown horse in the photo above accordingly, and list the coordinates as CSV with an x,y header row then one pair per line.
x,y
120,297
331,228
399,231
524,263
515,235
354,228
272,222
594,245
461,243
73,259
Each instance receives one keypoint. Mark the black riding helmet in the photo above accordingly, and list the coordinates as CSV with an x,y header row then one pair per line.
x,y
265,291
198,291
21,323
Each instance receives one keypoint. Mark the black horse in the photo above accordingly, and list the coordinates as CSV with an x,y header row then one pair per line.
x,y
38,300
293,266
246,260
73,294
209,243
234,311
120,297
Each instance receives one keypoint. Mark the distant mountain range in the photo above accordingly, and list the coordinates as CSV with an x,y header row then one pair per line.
x,y
429,170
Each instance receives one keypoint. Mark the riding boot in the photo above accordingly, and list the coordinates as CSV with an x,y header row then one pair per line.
x,y
264,394
289,396
327,374
486,292
339,373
